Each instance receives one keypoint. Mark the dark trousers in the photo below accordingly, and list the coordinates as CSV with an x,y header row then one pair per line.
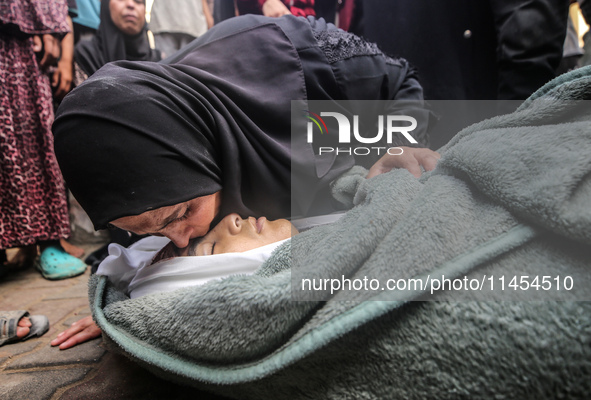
x,y
530,37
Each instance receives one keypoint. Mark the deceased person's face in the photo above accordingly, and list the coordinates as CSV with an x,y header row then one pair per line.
x,y
232,234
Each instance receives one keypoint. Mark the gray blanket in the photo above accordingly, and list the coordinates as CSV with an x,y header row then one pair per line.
x,y
510,197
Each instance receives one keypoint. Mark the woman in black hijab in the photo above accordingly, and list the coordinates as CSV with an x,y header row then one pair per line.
x,y
169,148
121,35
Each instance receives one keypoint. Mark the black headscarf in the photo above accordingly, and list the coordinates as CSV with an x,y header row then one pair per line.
x,y
137,136
110,44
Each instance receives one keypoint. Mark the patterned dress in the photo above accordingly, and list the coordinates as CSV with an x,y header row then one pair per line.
x,y
33,203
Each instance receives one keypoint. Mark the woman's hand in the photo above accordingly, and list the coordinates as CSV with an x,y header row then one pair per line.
x,y
79,332
50,46
63,76
411,159
62,79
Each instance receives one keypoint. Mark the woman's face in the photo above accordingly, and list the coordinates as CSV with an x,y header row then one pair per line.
x,y
128,15
233,234
180,222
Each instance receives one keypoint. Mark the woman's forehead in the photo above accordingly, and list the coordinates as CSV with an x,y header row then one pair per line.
x,y
151,220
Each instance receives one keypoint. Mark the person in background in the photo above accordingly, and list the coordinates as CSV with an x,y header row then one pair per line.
x,y
585,6
87,20
122,35
62,81
530,39
175,23
473,49
33,206
572,51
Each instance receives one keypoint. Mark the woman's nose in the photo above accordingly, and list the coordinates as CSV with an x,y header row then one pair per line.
x,y
180,236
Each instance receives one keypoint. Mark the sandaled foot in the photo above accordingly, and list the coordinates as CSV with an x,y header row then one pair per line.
x,y
23,327
54,263
19,326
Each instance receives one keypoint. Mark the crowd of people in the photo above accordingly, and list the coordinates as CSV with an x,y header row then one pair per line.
x,y
172,145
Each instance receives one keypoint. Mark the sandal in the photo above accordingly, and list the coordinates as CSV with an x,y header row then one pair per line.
x,y
54,263
9,322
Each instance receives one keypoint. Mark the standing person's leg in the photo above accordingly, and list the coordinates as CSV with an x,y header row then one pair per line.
x,y
530,37
33,205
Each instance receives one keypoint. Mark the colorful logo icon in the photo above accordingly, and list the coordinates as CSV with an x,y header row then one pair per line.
x,y
317,119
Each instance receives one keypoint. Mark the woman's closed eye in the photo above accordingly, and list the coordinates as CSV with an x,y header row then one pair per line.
x,y
184,216
207,249
179,219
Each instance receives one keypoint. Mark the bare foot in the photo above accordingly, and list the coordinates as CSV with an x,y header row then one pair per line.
x,y
71,249
23,327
